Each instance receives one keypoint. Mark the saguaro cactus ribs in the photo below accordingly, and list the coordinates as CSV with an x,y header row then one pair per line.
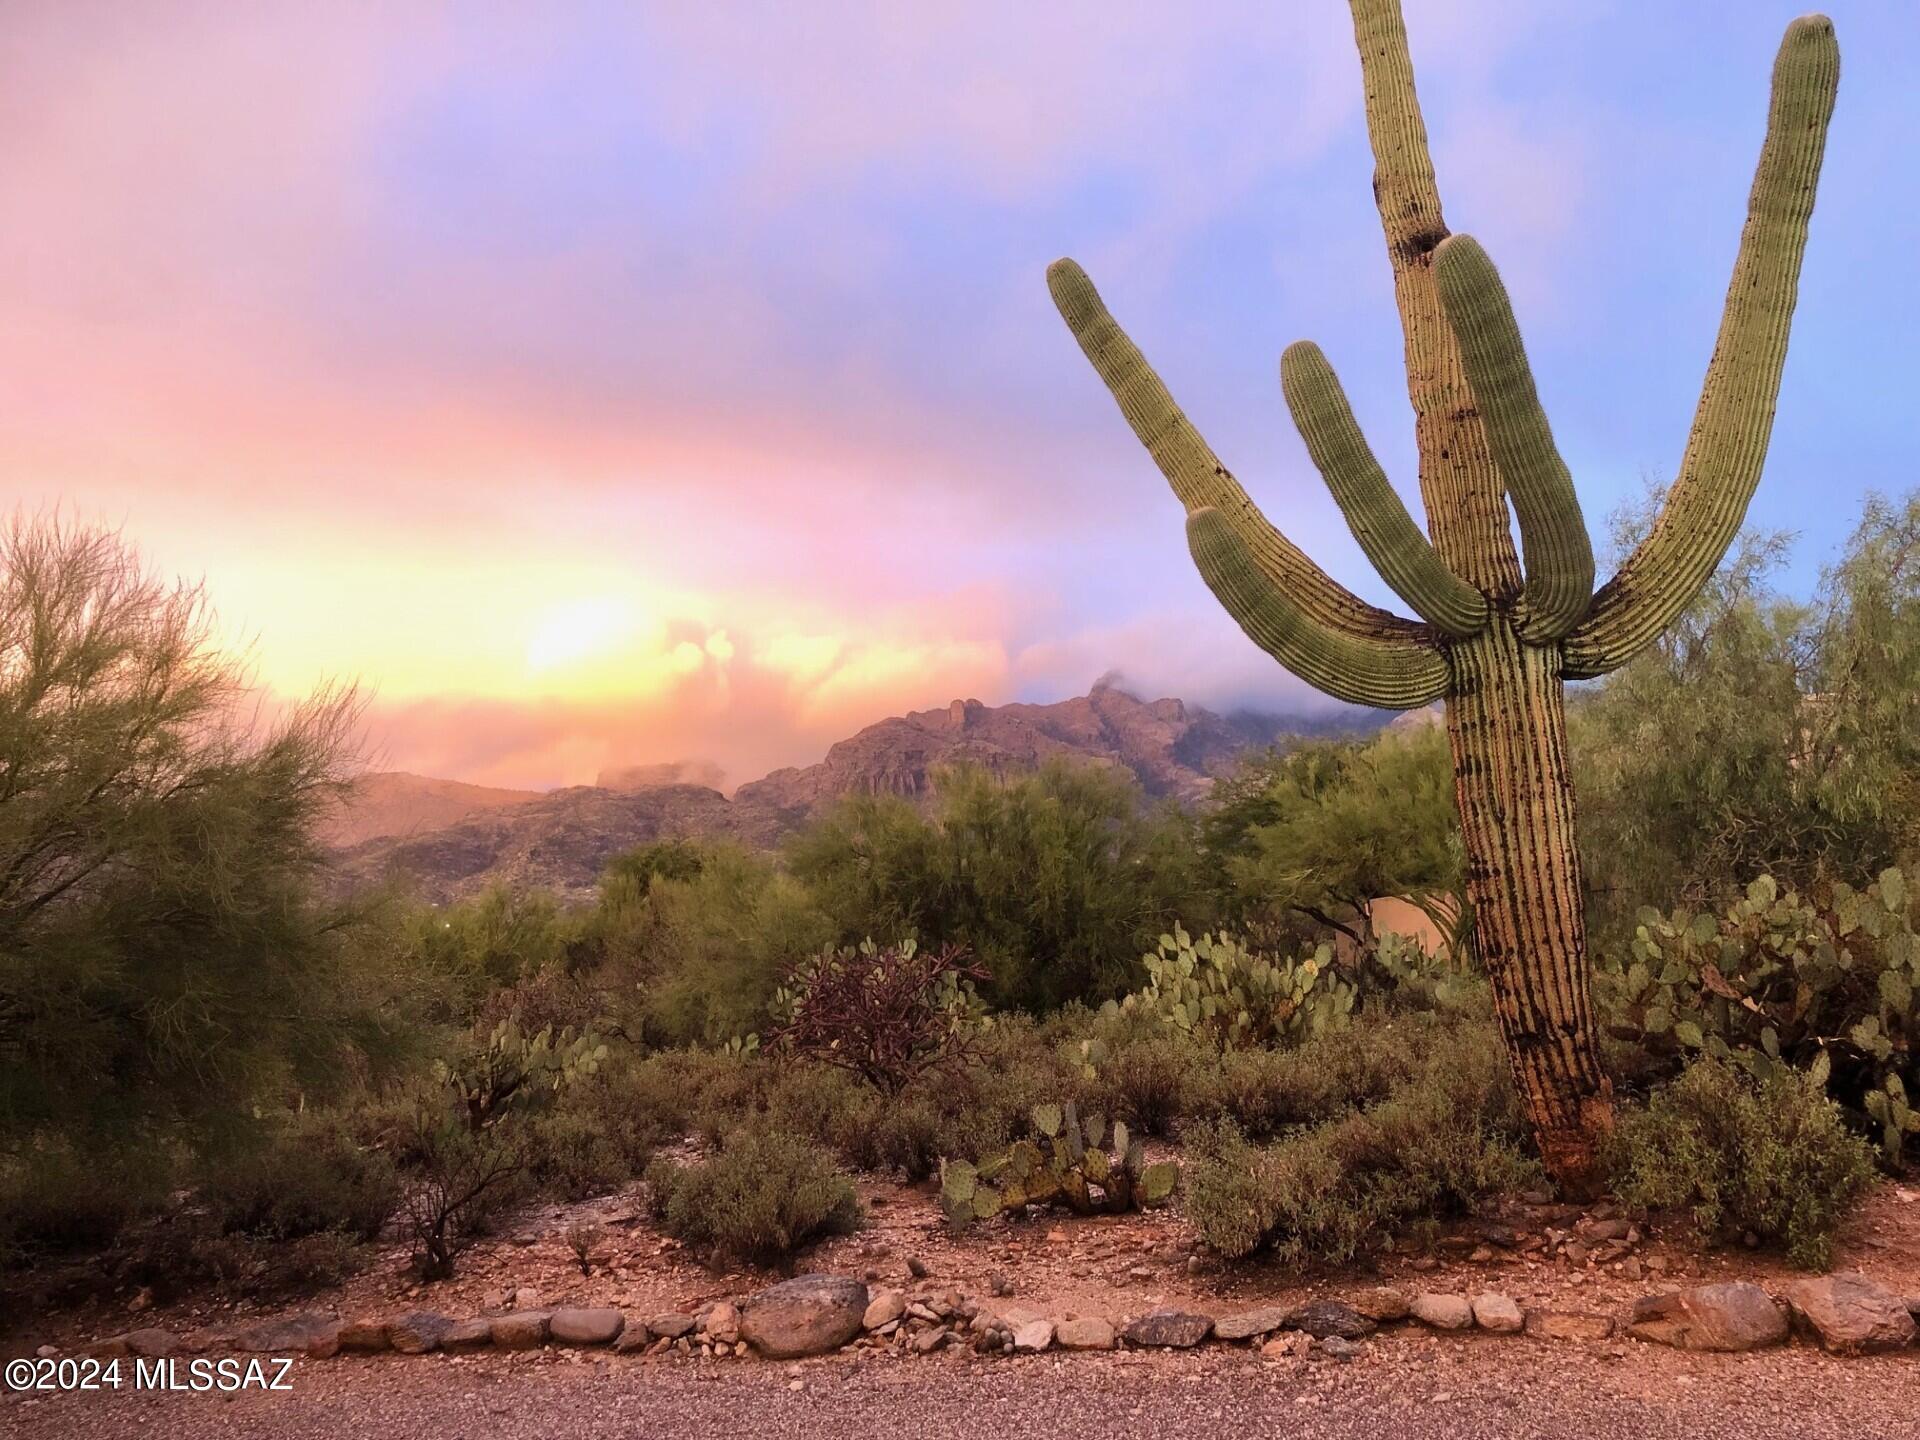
x,y
1496,643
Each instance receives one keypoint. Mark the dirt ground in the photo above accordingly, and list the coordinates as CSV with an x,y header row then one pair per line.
x,y
1406,1381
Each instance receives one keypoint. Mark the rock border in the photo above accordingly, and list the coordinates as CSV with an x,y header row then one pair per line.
x,y
1836,1311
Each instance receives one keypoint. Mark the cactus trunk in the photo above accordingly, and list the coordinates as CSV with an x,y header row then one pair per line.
x,y
1506,723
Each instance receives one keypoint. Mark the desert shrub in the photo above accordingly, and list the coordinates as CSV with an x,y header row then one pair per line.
x,y
1219,992
887,1015
1771,1156
55,1200
1148,1078
181,1257
1440,1142
763,1195
1268,1092
1780,981
300,1175
456,1179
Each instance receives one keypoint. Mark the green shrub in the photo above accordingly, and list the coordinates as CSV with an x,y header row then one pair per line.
x,y
55,1200
1219,992
301,1175
1148,1079
1442,1140
1772,1156
762,1196
1779,982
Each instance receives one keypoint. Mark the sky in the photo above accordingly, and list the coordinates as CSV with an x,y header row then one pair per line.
x,y
611,384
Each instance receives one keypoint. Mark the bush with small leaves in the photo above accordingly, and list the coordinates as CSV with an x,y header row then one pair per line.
x,y
301,1175
762,1196
1772,1156
1441,1141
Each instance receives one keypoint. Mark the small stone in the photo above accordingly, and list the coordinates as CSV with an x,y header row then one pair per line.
x,y
1324,1319
462,1335
1033,1337
928,1341
1442,1312
1567,1325
142,1300
1736,1316
1425,1262
417,1332
1851,1314
584,1326
47,1352
1250,1324
1498,1313
1056,1236
921,1311
1088,1333
634,1336
917,1267
1609,1229
525,1298
1169,1329
1336,1347
1140,1272
1481,1254
999,1285
884,1308
1382,1304
672,1326
1287,1347
522,1330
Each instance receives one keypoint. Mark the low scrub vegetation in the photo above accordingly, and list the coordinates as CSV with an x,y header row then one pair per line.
x,y
762,1196
1770,1158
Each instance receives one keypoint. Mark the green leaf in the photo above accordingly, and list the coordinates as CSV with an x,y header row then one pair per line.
x,y
1763,891
1896,991
1893,889
1688,1033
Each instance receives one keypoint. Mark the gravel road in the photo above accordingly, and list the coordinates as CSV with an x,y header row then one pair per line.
x,y
1416,1389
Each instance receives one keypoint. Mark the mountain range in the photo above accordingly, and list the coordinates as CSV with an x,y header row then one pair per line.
x,y
448,840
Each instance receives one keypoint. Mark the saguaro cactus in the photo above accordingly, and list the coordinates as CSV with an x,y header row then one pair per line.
x,y
1495,643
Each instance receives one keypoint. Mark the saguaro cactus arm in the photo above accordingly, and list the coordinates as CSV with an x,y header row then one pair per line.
x,y
1196,474
1393,674
1374,512
1728,443
1559,557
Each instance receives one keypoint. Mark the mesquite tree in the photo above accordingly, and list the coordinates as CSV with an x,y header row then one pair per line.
x,y
1496,643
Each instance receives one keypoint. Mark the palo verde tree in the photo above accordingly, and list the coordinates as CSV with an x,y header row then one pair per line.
x,y
1495,642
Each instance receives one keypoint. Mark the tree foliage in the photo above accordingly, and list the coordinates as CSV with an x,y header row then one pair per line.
x,y
1055,880
165,951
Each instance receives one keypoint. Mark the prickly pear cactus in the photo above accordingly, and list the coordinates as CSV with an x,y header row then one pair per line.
x,y
1077,1163
1217,990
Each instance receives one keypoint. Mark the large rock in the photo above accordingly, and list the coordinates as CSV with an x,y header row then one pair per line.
x,y
1330,1320
464,1335
1851,1314
597,1326
152,1343
364,1335
1443,1312
1567,1325
522,1330
310,1332
418,1331
806,1316
1249,1324
1087,1333
1169,1329
1497,1313
672,1326
1735,1316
